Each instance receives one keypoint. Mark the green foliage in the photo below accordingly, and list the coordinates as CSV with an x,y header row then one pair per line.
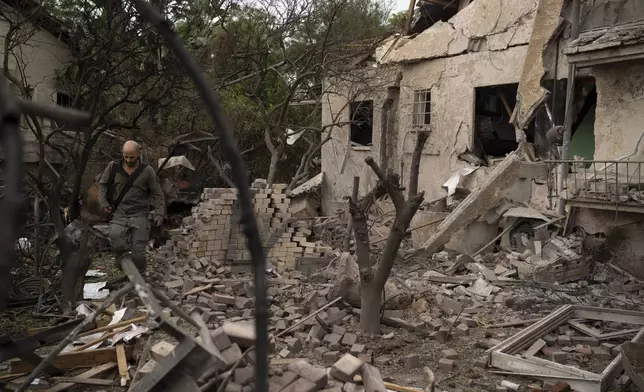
x,y
260,58
398,20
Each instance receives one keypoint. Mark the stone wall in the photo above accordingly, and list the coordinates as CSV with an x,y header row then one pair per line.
x,y
213,231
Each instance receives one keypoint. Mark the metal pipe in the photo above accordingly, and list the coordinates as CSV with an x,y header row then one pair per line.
x,y
570,103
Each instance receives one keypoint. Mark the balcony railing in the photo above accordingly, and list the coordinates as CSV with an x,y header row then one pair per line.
x,y
604,184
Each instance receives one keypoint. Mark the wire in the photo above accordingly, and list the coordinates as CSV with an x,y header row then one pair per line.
x,y
239,175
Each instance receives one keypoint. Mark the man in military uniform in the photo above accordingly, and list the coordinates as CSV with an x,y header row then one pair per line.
x,y
127,190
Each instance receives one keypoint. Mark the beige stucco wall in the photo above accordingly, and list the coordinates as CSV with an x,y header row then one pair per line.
x,y
619,118
42,55
497,34
366,84
452,82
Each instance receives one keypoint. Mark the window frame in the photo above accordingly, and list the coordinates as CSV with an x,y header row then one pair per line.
x,y
422,108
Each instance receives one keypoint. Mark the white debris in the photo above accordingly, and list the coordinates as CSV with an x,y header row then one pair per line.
x,y
94,274
95,291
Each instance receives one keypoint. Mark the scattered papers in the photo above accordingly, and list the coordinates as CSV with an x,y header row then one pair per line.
x,y
95,291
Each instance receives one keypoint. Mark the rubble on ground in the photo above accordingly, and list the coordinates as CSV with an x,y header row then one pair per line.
x,y
450,311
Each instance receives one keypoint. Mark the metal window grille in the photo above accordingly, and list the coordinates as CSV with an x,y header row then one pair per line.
x,y
422,113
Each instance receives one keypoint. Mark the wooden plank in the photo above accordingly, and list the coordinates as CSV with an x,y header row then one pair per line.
x,y
575,324
122,363
615,368
198,289
534,349
607,314
97,341
81,359
535,365
86,381
618,334
536,331
88,374
115,326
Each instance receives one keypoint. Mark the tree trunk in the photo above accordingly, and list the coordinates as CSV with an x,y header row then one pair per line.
x,y
272,169
415,162
74,210
370,305
354,195
373,282
73,273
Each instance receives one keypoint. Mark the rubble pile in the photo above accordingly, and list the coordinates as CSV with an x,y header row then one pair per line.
x,y
213,231
233,341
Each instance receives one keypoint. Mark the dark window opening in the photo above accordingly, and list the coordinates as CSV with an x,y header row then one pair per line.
x,y
422,113
494,135
362,123
582,143
63,99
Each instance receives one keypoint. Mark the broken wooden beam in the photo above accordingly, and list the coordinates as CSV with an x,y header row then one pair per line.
x,y
81,359
88,374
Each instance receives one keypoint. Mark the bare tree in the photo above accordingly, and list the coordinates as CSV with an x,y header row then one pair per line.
x,y
373,280
116,71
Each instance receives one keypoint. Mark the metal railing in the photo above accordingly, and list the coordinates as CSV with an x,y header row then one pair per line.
x,y
604,182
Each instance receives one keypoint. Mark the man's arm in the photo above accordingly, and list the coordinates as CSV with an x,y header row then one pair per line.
x,y
156,194
103,187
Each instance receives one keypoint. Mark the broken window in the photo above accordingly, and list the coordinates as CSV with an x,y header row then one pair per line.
x,y
362,123
494,135
63,99
422,113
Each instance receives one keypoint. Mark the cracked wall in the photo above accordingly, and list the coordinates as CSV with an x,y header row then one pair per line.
x,y
605,13
483,45
619,115
483,25
365,84
452,82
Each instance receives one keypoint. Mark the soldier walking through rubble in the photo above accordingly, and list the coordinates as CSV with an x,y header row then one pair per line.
x,y
127,189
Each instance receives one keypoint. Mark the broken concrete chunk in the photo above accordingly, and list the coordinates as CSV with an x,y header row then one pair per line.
x,y
371,379
277,383
294,345
242,333
357,349
411,361
346,367
232,354
161,350
462,330
301,385
349,339
244,376
450,354
330,356
309,372
221,340
445,365
224,299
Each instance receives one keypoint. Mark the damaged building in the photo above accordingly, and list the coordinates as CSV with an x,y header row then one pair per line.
x,y
475,80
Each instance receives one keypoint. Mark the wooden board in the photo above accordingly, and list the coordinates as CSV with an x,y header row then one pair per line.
x,y
88,374
122,362
81,359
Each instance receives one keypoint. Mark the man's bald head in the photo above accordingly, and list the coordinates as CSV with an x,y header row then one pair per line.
x,y
131,153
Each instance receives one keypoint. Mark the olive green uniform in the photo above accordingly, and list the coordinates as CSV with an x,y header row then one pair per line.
x,y
130,220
